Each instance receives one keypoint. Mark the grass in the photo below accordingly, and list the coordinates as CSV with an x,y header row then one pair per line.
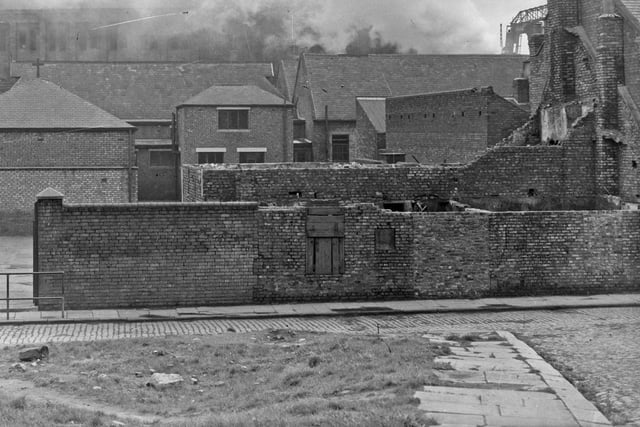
x,y
21,412
242,379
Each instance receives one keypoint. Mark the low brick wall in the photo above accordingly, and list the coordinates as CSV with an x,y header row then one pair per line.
x,y
167,255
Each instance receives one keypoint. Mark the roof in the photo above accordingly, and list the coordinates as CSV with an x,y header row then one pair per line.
x,y
289,69
335,80
236,95
375,109
633,6
39,104
146,90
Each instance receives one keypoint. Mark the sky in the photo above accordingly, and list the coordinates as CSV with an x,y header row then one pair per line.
x,y
496,12
428,26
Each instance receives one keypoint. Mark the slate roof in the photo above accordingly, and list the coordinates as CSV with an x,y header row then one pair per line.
x,y
236,95
336,80
39,104
146,90
633,6
289,67
375,109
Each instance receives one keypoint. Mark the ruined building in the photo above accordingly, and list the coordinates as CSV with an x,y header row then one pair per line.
x,y
585,89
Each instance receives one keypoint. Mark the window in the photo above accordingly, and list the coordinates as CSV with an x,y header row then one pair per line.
x,y
325,241
161,158
233,119
211,155
340,148
251,157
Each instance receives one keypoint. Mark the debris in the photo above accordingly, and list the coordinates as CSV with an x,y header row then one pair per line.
x,y
34,354
159,380
117,423
219,384
158,352
97,387
194,380
138,374
18,367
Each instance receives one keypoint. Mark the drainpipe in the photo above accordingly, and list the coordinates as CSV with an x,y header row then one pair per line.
x,y
285,139
130,165
176,155
326,132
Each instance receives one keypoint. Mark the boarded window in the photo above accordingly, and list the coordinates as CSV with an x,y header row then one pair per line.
x,y
233,119
325,241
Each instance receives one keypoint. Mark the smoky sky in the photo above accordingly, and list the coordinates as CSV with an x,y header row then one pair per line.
x,y
422,26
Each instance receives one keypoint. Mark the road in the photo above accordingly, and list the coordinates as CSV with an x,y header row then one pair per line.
x,y
597,349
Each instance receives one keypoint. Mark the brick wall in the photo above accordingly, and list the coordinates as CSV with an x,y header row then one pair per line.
x,y
269,127
365,137
438,128
64,148
147,255
450,127
504,118
564,171
213,254
192,184
293,183
19,186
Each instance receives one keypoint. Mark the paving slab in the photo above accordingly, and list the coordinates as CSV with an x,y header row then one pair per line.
x,y
537,421
458,408
440,418
105,314
79,314
435,396
507,377
487,364
464,377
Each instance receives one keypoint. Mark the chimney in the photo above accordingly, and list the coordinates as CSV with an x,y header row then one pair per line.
x,y
609,64
562,14
521,90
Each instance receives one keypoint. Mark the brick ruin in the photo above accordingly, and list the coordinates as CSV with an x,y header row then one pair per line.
x,y
186,254
318,232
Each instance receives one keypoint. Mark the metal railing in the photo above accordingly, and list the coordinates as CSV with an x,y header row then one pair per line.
x,y
8,299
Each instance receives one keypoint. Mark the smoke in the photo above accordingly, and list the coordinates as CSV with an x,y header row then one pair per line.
x,y
265,30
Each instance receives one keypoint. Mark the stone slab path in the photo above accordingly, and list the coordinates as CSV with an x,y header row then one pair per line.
x,y
497,380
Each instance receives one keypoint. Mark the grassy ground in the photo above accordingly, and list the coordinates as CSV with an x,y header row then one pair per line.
x,y
276,378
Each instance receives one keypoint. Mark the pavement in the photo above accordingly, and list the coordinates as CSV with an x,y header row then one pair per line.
x,y
495,380
27,315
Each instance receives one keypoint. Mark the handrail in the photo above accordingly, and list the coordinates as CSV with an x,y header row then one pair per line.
x,y
32,273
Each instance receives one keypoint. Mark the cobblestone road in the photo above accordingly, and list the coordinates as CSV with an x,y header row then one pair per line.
x,y
598,349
